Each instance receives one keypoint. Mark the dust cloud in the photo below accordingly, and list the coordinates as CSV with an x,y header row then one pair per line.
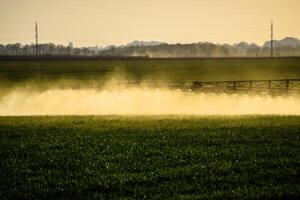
x,y
140,101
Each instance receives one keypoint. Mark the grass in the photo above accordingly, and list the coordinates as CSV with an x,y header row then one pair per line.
x,y
161,157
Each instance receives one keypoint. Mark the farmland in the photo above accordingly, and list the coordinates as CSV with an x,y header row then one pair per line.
x,y
246,157
152,69
144,157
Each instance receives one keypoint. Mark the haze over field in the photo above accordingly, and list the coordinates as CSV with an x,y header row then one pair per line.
x,y
99,87
118,100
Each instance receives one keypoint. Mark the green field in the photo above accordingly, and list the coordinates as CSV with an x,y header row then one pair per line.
x,y
161,157
172,70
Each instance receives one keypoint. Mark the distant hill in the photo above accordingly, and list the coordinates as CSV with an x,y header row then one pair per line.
x,y
286,42
286,47
143,43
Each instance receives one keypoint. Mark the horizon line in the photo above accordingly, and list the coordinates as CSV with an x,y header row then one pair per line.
x,y
148,41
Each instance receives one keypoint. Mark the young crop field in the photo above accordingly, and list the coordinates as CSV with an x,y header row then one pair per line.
x,y
153,69
150,157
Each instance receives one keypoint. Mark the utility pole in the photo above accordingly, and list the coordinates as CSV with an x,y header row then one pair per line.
x,y
36,39
272,41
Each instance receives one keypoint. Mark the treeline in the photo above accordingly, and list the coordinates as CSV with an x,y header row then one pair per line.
x,y
202,50
46,49
187,50
162,50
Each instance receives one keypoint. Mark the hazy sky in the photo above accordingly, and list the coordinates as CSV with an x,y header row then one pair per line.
x,y
103,22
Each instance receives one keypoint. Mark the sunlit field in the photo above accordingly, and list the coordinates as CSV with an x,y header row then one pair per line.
x,y
166,157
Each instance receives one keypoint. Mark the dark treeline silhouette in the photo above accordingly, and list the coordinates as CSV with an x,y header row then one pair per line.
x,y
283,48
45,49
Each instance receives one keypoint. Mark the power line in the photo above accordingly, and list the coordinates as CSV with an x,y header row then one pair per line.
x,y
36,39
272,44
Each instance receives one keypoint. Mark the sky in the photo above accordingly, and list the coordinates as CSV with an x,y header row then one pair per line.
x,y
104,22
